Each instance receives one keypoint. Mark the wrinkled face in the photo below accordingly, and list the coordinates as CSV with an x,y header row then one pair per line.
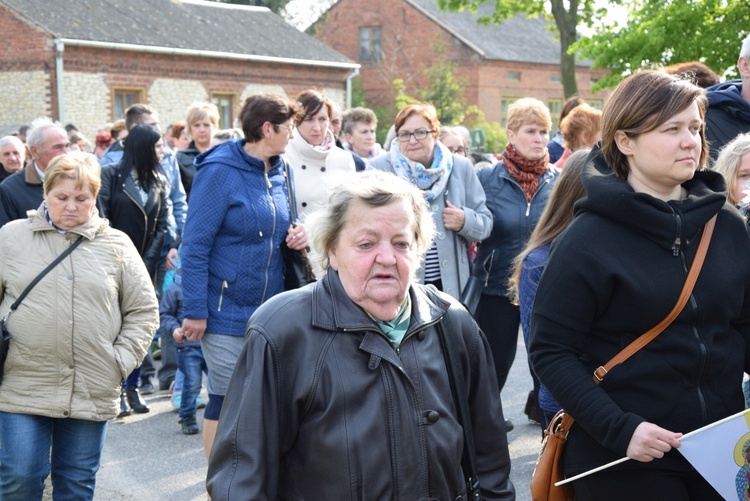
x,y
12,157
313,128
335,121
662,159
55,143
742,183
376,256
362,138
279,139
201,131
417,150
69,206
530,141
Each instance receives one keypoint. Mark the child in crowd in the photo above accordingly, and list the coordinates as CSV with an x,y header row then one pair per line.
x,y
189,354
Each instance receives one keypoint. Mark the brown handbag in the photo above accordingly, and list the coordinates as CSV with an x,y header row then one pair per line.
x,y
549,469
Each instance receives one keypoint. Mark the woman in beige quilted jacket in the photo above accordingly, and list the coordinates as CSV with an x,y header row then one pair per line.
x,y
74,337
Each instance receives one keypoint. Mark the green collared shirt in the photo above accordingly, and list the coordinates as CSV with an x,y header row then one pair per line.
x,y
396,328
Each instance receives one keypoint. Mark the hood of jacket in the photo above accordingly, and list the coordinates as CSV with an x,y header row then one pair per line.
x,y
88,230
728,96
232,154
666,223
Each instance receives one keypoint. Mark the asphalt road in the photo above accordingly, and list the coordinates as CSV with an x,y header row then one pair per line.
x,y
147,457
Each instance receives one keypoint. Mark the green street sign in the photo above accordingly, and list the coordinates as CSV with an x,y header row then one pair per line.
x,y
478,138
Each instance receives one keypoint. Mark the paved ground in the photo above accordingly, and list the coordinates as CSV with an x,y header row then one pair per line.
x,y
146,456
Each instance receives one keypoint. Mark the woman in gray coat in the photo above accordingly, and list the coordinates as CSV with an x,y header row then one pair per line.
x,y
451,188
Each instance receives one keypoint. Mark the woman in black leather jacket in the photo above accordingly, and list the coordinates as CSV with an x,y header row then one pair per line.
x,y
134,198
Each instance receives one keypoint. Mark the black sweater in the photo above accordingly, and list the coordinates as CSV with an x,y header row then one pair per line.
x,y
613,274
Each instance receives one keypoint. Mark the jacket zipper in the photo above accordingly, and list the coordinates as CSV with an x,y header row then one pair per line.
x,y
701,345
528,203
224,286
678,235
145,219
270,241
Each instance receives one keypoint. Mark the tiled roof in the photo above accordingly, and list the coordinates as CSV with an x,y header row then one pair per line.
x,y
188,25
518,39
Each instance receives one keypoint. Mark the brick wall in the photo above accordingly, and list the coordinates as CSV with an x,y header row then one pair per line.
x,y
408,41
168,82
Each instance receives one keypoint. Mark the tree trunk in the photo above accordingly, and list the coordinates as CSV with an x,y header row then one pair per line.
x,y
566,22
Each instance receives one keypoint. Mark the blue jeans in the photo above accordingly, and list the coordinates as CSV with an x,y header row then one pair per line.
x,y
25,443
192,365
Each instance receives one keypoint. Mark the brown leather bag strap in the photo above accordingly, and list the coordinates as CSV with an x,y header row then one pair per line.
x,y
687,290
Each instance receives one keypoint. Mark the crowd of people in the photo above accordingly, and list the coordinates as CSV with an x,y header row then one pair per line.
x,y
179,241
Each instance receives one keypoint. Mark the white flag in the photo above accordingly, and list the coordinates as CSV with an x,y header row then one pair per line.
x,y
721,453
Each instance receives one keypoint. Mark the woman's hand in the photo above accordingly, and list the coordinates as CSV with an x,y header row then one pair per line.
x,y
171,255
194,328
453,217
296,237
651,442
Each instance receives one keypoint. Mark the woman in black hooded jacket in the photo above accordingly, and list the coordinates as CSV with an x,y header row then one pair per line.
x,y
617,271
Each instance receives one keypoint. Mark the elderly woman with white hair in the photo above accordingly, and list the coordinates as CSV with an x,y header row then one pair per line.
x,y
341,390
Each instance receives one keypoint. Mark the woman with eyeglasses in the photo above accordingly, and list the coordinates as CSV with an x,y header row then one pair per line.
x,y
517,189
312,152
451,188
452,138
231,248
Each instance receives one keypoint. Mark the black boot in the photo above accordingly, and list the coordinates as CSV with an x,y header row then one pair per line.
x,y
135,401
124,408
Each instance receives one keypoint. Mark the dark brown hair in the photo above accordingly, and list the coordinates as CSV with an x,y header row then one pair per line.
x,y
262,108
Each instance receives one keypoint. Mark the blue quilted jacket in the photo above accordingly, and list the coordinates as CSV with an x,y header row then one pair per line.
x,y
237,218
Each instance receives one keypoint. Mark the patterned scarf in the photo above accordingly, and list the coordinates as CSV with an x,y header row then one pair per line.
x,y
526,172
433,180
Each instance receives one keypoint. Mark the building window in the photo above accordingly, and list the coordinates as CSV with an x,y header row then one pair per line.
x,y
555,108
513,75
596,103
555,78
504,105
123,99
370,48
227,104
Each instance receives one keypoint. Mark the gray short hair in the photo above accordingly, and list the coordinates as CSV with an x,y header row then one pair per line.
x,y
35,135
745,51
12,140
375,189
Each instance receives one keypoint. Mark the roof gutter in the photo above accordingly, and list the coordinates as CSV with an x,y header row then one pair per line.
x,y
349,87
205,53
59,49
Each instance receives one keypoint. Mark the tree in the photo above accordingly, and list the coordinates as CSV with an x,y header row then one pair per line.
x,y
567,15
276,6
663,32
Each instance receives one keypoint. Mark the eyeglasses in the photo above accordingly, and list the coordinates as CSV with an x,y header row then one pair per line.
x,y
420,134
289,128
459,151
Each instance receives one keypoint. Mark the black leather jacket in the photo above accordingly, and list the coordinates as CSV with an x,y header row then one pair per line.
x,y
321,406
145,224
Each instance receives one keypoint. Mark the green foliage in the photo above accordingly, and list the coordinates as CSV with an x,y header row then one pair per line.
x,y
276,6
664,32
496,135
566,14
445,91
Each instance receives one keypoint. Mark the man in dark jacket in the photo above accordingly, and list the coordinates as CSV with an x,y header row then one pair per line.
x,y
23,190
728,112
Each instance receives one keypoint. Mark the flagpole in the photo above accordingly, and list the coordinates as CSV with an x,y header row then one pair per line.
x,y
587,473
622,460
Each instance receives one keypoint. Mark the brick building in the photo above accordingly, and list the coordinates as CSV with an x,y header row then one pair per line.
x,y
501,63
85,61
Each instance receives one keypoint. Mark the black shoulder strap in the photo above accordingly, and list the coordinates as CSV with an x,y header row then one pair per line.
x,y
458,390
54,263
290,195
